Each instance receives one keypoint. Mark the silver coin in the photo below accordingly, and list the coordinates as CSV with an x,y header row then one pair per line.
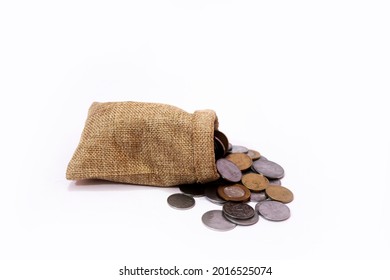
x,y
275,182
212,194
273,210
238,149
214,219
238,210
230,147
228,170
181,201
258,196
247,222
195,190
268,168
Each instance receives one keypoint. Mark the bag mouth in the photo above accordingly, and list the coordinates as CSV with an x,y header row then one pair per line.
x,y
205,122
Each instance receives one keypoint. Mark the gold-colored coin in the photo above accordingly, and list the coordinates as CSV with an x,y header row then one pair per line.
x,y
255,182
279,193
236,192
253,154
243,161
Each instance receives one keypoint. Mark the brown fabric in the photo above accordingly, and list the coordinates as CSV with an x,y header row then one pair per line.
x,y
147,144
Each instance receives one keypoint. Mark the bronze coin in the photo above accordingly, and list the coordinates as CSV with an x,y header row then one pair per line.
x,y
255,182
222,137
243,161
279,193
228,170
253,154
236,192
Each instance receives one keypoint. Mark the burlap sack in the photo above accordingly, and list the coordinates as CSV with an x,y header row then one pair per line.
x,y
147,144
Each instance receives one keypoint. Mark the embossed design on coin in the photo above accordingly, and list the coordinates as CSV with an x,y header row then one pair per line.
x,y
236,192
238,149
238,210
193,189
255,182
246,222
228,170
258,196
214,219
181,201
254,155
268,168
280,193
243,161
233,191
273,210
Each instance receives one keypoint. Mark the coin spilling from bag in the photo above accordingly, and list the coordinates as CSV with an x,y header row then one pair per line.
x,y
246,176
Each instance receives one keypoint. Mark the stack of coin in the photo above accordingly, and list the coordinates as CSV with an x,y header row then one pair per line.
x,y
246,177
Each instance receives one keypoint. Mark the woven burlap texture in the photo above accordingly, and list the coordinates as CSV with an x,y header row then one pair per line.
x,y
145,144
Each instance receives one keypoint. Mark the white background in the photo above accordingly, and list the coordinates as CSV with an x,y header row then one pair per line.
x,y
304,82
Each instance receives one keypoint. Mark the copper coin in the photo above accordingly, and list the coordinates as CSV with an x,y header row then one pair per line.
x,y
228,170
222,137
243,161
255,182
279,193
268,168
253,154
236,192
238,210
238,149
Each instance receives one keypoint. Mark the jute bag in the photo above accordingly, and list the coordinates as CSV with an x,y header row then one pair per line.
x,y
147,144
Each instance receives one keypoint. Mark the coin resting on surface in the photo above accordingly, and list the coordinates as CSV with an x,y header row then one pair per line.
x,y
243,161
255,182
214,219
268,168
228,170
236,192
246,222
273,210
211,192
237,210
181,201
279,193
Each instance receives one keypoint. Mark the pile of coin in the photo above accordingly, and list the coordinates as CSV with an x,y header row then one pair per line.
x,y
246,176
